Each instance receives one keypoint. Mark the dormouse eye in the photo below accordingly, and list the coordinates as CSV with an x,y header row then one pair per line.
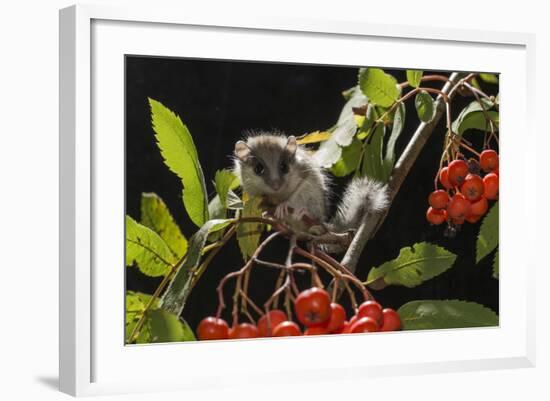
x,y
283,167
259,168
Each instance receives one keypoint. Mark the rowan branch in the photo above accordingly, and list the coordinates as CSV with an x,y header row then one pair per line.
x,y
371,222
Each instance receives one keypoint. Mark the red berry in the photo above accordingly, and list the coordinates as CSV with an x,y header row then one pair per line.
x,y
337,317
244,330
391,320
473,218
458,221
491,186
436,216
458,170
351,322
265,326
315,330
365,325
472,187
438,199
286,328
344,329
480,207
312,307
488,160
458,207
370,309
444,178
211,328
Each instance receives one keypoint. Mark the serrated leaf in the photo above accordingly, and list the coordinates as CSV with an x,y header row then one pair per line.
x,y
489,78
348,93
175,296
349,161
233,201
478,120
328,153
373,163
225,180
215,208
346,127
135,305
379,87
397,128
425,107
414,77
180,155
487,240
495,265
248,234
473,117
162,327
413,266
445,314
156,216
313,137
145,247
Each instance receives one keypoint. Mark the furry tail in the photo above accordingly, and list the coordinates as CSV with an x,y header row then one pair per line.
x,y
362,196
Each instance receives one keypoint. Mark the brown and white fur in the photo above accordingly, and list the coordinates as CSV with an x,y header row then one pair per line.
x,y
276,168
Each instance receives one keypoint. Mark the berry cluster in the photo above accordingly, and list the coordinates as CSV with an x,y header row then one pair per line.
x,y
316,313
466,193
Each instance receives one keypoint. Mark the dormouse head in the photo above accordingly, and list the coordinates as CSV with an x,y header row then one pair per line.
x,y
266,163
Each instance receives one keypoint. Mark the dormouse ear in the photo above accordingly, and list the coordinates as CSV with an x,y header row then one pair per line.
x,y
291,145
242,151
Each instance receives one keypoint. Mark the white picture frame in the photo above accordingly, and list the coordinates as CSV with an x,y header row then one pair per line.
x,y
92,39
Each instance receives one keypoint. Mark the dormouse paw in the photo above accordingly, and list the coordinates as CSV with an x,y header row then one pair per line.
x,y
317,230
281,211
298,214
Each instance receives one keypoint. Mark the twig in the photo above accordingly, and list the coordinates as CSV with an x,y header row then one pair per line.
x,y
371,222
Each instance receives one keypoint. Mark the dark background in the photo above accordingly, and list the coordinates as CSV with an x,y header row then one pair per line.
x,y
219,101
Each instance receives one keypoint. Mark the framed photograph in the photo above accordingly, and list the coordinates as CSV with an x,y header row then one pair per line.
x,y
250,189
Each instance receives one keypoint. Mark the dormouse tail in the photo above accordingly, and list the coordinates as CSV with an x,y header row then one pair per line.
x,y
362,196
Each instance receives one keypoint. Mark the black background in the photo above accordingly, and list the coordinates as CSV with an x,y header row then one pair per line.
x,y
219,101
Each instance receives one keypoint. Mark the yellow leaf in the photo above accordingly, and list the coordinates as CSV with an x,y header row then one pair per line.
x,y
313,137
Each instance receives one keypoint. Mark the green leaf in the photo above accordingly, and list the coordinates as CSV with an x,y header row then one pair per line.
x,y
478,120
156,216
180,155
328,153
342,134
487,240
145,247
348,93
397,128
373,164
233,201
495,265
447,314
349,161
414,77
489,78
215,208
225,180
162,327
412,267
425,108
175,296
248,234
379,87
473,117
135,305
346,127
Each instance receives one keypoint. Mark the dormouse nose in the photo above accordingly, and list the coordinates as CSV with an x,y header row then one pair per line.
x,y
276,184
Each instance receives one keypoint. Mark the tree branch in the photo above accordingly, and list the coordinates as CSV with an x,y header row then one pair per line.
x,y
371,222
